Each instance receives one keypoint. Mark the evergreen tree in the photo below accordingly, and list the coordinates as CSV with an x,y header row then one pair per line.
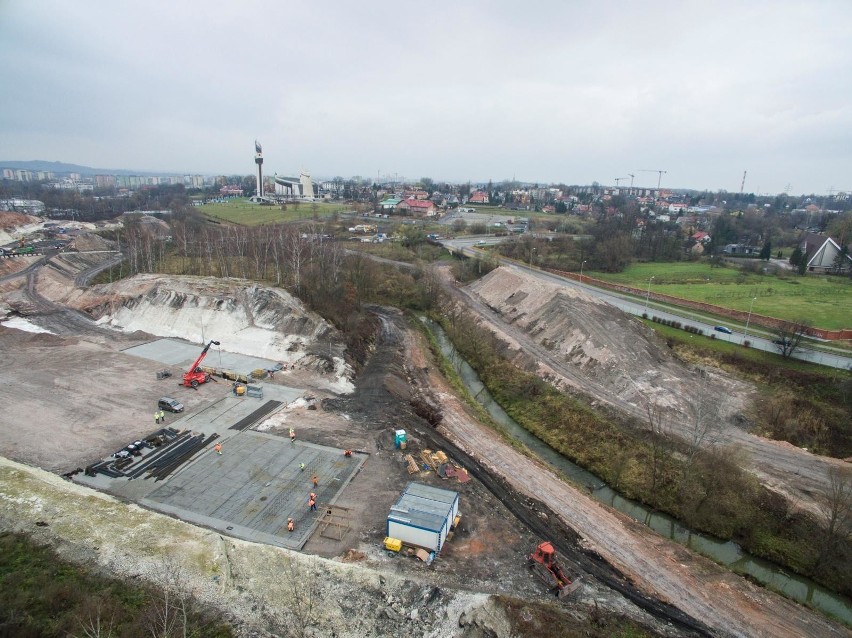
x,y
796,256
803,264
766,251
841,261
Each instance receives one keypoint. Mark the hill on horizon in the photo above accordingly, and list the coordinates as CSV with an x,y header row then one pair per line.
x,y
64,167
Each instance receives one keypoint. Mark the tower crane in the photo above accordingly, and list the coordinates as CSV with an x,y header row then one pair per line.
x,y
742,186
653,170
619,179
631,179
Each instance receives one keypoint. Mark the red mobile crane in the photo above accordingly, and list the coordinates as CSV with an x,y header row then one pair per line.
x,y
195,375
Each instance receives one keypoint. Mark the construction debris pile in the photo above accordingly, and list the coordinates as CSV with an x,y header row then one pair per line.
x,y
439,462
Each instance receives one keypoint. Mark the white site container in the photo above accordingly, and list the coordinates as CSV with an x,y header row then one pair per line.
x,y
423,516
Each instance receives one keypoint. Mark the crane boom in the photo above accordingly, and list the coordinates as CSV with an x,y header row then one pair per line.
x,y
195,375
654,170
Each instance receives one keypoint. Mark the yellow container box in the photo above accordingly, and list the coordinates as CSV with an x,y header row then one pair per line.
x,y
393,544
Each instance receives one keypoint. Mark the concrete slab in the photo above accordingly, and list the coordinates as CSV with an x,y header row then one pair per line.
x,y
178,353
251,489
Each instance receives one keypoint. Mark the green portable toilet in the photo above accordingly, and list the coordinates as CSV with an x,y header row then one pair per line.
x,y
399,439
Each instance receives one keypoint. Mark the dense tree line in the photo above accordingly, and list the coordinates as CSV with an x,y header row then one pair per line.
x,y
300,258
98,205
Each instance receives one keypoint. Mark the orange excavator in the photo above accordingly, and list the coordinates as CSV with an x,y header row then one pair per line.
x,y
195,375
544,563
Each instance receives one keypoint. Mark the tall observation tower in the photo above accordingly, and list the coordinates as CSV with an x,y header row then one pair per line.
x,y
258,159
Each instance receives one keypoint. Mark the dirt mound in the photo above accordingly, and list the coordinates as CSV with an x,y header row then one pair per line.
x,y
247,318
88,241
10,220
599,343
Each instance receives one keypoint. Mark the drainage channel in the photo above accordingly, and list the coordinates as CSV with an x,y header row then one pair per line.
x,y
727,553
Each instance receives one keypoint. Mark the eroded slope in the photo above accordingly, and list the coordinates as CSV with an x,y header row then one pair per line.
x,y
601,347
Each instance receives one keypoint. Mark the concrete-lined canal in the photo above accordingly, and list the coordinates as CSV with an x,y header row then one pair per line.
x,y
726,553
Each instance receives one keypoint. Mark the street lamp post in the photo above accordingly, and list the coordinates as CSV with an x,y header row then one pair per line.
x,y
648,293
581,270
753,299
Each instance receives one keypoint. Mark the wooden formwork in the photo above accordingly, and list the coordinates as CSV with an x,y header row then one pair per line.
x,y
335,522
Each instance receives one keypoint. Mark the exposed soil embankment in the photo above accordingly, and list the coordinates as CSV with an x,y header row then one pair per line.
x,y
604,348
254,585
570,339
664,578
246,318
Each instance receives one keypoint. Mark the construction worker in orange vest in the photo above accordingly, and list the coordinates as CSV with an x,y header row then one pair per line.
x,y
312,503
218,448
315,480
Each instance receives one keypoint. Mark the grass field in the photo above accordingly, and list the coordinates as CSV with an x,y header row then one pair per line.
x,y
825,301
242,211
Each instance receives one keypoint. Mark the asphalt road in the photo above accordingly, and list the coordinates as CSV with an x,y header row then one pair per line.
x,y
630,305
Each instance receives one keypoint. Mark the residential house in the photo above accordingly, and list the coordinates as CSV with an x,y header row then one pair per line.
x,y
439,199
701,237
822,251
740,249
417,207
416,194
478,197
389,204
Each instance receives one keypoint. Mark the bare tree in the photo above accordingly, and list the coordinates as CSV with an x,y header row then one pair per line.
x,y
168,616
300,579
705,426
659,443
835,505
94,625
788,336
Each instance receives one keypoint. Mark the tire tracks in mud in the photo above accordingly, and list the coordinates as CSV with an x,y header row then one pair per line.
x,y
782,467
659,576
529,512
381,407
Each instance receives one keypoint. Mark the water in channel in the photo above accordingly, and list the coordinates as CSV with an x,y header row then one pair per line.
x,y
725,552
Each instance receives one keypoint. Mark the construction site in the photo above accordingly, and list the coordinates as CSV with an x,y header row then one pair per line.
x,y
283,464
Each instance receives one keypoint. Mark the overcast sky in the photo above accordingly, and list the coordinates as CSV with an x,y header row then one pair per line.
x,y
547,91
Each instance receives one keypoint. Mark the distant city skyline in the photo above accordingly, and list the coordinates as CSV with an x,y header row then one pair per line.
x,y
546,91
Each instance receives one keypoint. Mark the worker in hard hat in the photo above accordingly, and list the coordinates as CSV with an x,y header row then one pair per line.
x,y
301,467
218,448
312,503
315,480
290,525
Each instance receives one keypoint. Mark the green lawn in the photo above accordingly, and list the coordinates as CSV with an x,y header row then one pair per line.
x,y
825,301
242,211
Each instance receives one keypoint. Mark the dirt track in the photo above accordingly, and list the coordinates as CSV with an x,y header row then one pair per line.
x,y
782,467
727,604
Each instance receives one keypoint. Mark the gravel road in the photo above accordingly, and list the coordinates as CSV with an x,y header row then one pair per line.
x,y
780,466
724,602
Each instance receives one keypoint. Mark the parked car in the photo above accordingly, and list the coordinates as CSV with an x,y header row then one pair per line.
x,y
727,331
170,405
